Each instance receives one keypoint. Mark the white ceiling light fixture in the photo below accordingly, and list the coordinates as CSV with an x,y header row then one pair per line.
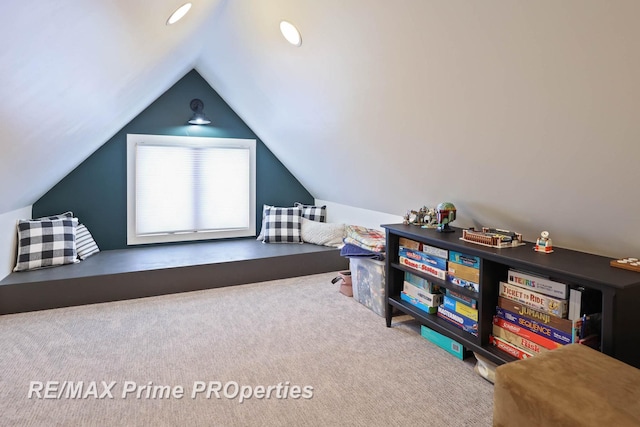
x,y
290,33
179,13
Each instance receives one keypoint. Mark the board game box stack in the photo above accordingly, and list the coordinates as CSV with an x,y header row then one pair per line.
x,y
454,307
424,258
536,314
421,293
428,260
464,270
459,309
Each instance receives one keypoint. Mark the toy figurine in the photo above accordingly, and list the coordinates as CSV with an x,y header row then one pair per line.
x,y
445,213
424,217
429,218
544,244
413,217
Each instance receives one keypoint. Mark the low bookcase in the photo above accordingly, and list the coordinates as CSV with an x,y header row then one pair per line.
x,y
616,291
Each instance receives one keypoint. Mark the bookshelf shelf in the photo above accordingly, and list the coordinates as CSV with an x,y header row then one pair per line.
x,y
619,289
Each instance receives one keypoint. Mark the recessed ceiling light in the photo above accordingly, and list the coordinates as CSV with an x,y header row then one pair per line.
x,y
179,13
291,33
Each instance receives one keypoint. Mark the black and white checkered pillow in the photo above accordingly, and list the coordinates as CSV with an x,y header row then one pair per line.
x,y
262,228
65,215
282,225
314,213
45,243
85,245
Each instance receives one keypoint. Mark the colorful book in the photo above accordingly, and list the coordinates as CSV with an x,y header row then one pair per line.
x,y
539,284
462,298
424,258
517,340
423,247
564,325
464,272
408,243
460,308
421,282
534,326
586,326
509,348
472,286
463,259
463,322
435,272
534,299
525,333
415,302
432,250
426,298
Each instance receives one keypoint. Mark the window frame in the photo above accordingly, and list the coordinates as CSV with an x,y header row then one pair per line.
x,y
133,139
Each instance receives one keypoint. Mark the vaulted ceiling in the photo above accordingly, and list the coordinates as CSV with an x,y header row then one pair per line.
x,y
524,114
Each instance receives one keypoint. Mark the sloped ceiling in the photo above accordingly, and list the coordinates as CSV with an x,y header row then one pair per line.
x,y
524,114
73,73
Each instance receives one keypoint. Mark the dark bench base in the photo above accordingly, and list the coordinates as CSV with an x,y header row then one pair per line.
x,y
159,270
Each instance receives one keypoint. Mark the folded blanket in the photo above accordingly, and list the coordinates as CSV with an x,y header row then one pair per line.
x,y
353,251
366,238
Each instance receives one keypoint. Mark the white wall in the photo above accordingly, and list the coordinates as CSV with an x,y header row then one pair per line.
x,y
350,215
8,238
523,114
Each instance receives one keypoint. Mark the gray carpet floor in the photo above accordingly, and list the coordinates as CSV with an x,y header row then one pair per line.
x,y
270,337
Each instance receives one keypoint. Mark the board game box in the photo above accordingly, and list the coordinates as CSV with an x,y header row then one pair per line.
x,y
444,342
535,300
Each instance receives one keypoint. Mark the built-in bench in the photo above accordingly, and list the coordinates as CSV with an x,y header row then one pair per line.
x,y
158,270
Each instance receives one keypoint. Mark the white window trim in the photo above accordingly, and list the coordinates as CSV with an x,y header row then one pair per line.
x,y
133,139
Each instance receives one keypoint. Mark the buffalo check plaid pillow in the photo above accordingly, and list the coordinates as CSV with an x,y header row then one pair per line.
x,y
262,228
314,213
45,243
65,215
282,225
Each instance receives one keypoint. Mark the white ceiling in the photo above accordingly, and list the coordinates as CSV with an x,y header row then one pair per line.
x,y
524,114
73,73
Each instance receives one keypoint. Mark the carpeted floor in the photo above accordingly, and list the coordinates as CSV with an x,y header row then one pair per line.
x,y
269,339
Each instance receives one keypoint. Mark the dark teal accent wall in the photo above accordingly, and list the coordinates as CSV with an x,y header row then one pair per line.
x,y
96,191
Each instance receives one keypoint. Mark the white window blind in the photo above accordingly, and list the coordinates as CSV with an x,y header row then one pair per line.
x,y
186,188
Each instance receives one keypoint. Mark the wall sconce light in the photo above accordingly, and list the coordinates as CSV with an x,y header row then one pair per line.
x,y
198,118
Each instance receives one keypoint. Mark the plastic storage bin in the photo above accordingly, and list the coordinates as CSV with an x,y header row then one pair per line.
x,y
368,281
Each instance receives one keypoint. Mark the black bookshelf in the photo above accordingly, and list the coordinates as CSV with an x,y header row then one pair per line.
x,y
618,290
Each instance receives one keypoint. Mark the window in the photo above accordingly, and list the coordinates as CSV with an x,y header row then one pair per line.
x,y
189,188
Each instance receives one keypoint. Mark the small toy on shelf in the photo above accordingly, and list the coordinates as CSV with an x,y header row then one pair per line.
x,y
494,237
632,264
424,217
428,217
445,214
544,244
406,218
